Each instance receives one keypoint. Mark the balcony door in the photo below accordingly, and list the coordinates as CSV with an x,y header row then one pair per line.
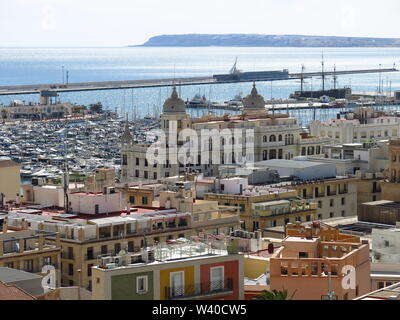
x,y
217,278
177,284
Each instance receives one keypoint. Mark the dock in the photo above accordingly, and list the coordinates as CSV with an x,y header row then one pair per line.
x,y
154,83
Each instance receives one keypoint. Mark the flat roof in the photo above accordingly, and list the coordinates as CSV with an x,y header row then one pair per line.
x,y
300,239
294,164
8,275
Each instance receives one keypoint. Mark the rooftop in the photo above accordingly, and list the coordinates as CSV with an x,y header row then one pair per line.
x,y
12,275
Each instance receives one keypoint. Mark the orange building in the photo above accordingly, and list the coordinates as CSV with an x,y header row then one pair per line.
x,y
307,256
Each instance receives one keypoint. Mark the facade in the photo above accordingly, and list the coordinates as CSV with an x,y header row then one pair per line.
x,y
264,136
180,270
382,211
384,274
30,251
99,180
365,124
10,179
386,245
307,254
95,203
263,207
390,187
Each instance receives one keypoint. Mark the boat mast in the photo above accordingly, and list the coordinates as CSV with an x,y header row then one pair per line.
x,y
323,72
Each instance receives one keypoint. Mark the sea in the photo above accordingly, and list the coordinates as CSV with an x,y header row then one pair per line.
x,y
50,65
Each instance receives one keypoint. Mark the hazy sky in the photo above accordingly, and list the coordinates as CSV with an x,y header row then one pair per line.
x,y
124,22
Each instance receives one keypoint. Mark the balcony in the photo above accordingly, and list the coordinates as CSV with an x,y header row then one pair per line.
x,y
67,255
209,289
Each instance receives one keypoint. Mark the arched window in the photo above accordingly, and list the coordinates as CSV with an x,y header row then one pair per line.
x,y
264,138
272,138
303,151
272,154
280,137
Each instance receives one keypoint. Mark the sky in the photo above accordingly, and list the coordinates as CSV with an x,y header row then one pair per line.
x,y
130,22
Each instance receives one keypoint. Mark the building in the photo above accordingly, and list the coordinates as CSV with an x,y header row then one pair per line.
x,y
390,187
261,207
386,245
195,270
47,108
364,124
391,292
100,179
30,250
308,254
108,201
300,169
384,274
382,211
258,135
10,180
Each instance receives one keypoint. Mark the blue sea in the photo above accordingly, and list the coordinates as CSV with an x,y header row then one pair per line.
x,y
44,65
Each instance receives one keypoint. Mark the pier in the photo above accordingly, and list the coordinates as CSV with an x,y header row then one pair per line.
x,y
152,83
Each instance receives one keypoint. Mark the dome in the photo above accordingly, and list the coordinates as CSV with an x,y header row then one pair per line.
x,y
254,100
174,104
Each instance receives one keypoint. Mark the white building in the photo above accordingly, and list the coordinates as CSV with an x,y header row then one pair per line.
x,y
386,245
273,136
95,203
364,125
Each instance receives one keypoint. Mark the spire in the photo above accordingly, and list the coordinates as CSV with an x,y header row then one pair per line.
x,y
254,91
126,136
174,94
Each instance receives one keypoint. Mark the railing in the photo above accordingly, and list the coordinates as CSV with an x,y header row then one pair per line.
x,y
67,255
199,289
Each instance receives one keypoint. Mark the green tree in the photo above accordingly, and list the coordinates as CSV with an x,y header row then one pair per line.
x,y
274,295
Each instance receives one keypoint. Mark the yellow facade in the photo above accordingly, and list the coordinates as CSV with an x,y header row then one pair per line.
x,y
165,279
255,266
10,180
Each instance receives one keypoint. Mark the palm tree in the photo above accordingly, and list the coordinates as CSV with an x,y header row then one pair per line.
x,y
274,295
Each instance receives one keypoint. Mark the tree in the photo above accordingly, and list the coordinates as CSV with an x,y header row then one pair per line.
x,y
274,295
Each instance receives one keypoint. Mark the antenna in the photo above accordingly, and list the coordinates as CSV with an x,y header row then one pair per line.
x,y
334,77
323,72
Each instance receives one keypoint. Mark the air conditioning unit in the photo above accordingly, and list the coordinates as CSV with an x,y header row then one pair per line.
x,y
105,260
117,260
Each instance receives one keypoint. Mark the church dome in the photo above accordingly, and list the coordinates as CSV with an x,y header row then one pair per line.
x,y
174,104
254,100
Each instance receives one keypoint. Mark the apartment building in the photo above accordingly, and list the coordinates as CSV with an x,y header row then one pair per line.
x,y
184,269
261,207
307,256
30,250
335,197
364,124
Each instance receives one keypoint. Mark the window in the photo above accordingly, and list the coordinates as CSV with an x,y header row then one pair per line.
x,y
132,199
217,278
319,204
319,216
144,200
303,255
137,173
331,215
117,248
124,160
331,202
28,265
9,265
70,269
146,174
177,284
343,201
104,249
308,218
387,244
141,284
47,260
146,163
89,270
137,161
343,213
155,175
